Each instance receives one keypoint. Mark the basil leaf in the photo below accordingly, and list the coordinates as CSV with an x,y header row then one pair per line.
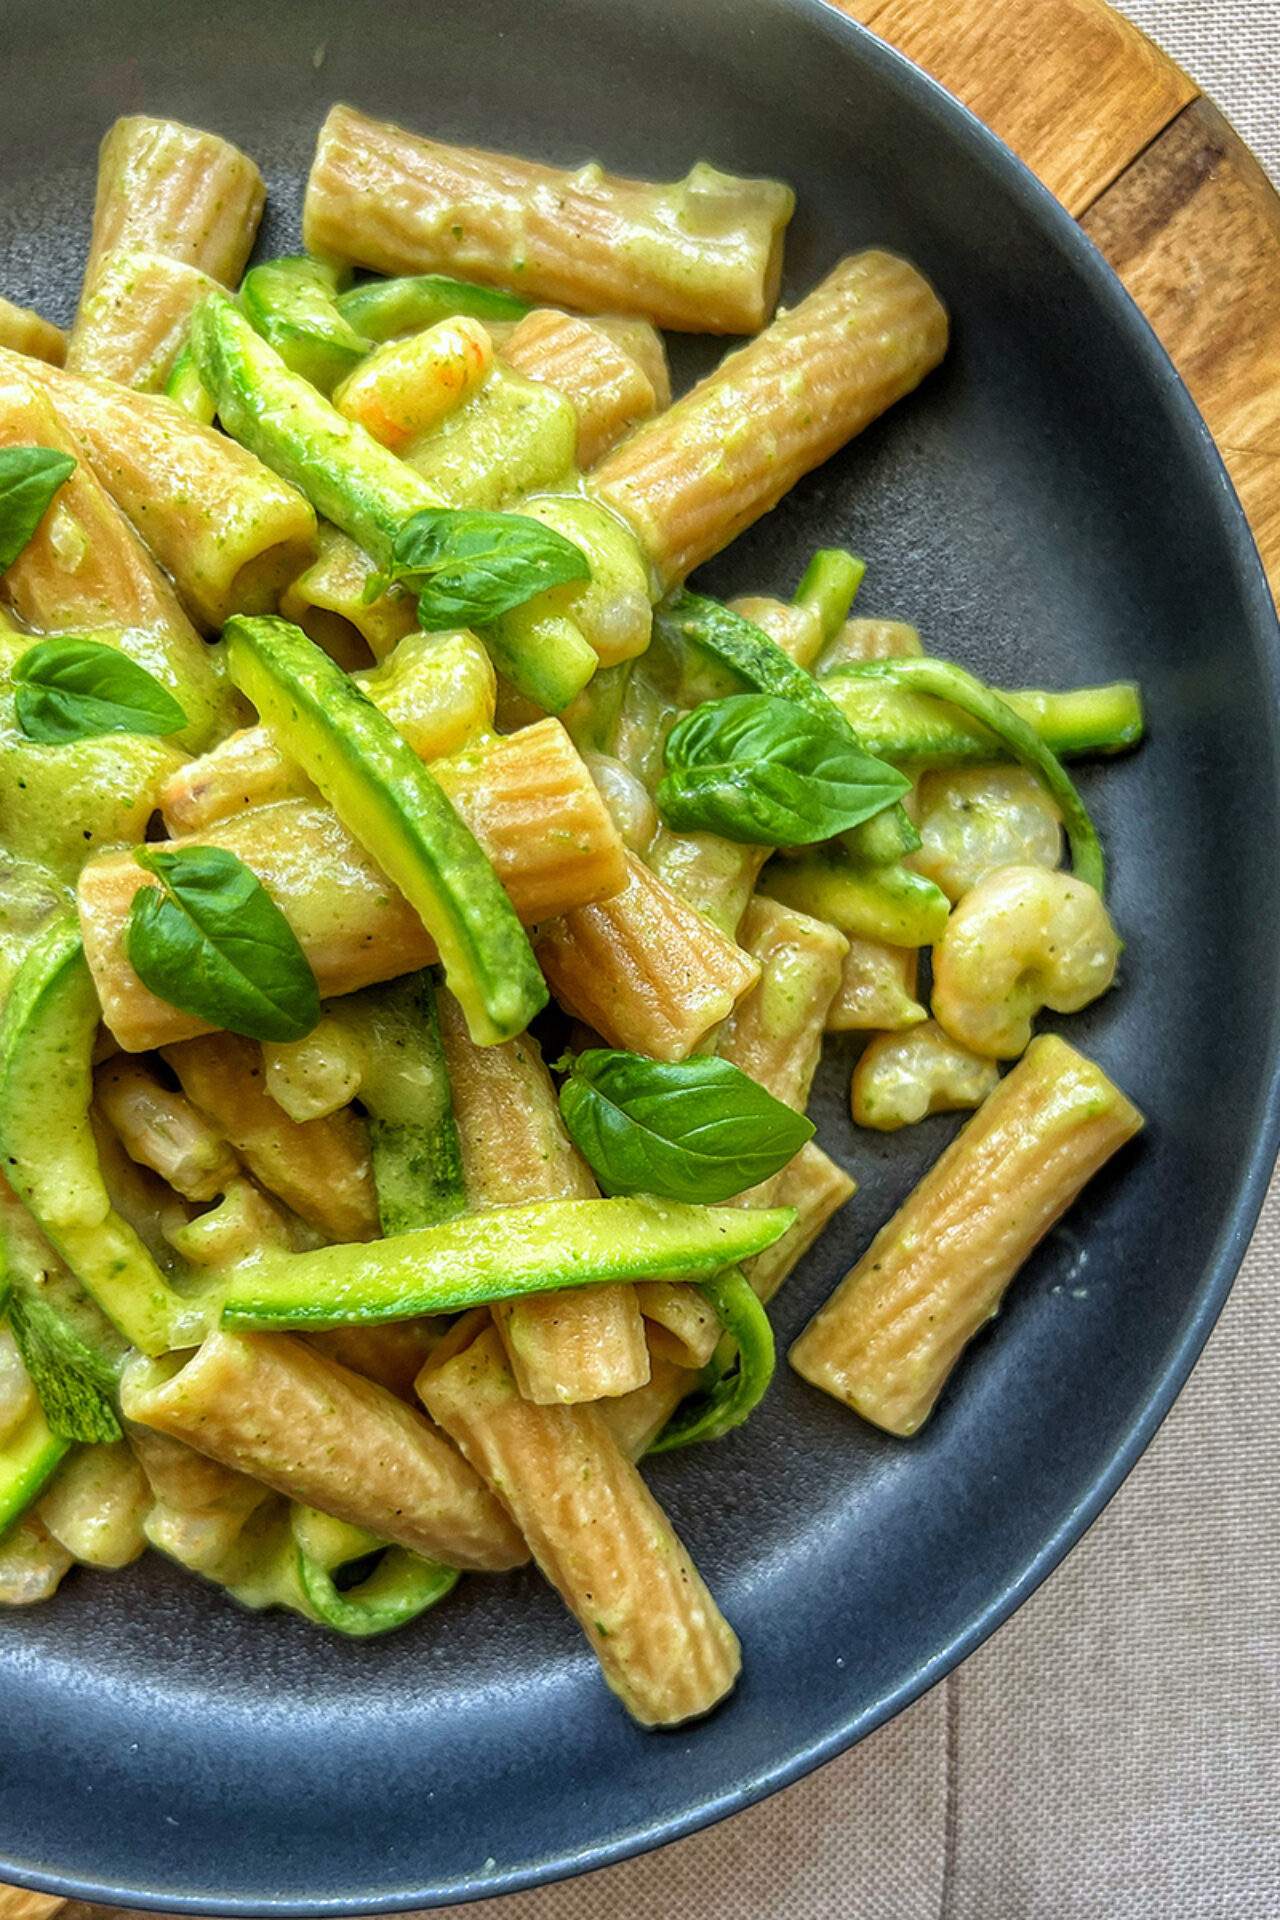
x,y
468,568
213,942
29,478
764,771
728,1393
73,1384
699,1130
69,689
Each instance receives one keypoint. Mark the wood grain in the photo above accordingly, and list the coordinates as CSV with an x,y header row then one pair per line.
x,y
1166,189
1073,88
1193,230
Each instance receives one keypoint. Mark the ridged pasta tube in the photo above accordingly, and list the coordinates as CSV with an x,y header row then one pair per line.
x,y
724,454
437,690
85,568
328,603
607,386
596,1532
528,799
161,1129
199,1507
587,1342
174,190
647,972
775,1032
25,332
636,1420
270,1406
682,1327
890,1334
817,1187
319,1168
134,320
704,254
877,991
229,531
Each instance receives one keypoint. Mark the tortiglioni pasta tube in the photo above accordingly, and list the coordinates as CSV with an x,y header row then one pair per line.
x,y
703,254
597,1533
692,479
582,1344
527,797
271,1407
890,1334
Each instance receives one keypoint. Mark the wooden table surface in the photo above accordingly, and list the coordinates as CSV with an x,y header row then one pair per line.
x,y
1163,186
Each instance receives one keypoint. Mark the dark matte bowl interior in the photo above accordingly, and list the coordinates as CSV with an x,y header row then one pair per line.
x,y
1048,509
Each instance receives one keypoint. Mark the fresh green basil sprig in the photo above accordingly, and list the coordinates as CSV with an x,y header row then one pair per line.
x,y
732,1386
468,568
765,772
696,1130
946,681
73,1384
70,689
29,478
211,941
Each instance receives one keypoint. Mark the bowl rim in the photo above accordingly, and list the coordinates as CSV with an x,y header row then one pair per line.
x,y
1108,291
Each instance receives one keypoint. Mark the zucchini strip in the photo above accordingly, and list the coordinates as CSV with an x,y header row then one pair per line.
x,y
382,793
499,1255
729,1396
47,1035
946,681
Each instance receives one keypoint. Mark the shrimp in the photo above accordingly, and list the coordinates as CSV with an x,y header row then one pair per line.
x,y
904,1077
975,819
1020,940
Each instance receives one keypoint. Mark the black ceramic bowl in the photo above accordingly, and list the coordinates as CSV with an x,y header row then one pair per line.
x,y
1048,509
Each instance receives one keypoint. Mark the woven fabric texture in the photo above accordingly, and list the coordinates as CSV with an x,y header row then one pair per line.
x,y
1114,1752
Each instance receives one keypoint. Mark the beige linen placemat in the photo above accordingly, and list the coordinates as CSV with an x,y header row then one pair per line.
x,y
1114,1752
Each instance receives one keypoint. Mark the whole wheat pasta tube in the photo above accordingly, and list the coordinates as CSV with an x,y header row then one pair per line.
x,y
647,972
585,1343
437,690
319,1168
596,1532
270,1406
817,1188
134,320
162,1130
229,530
636,1420
529,800
23,331
877,991
602,368
890,1334
393,1353
85,567
692,479
97,1505
199,1506
327,602
704,254
680,1324
775,1032
171,189
797,629
712,875
609,390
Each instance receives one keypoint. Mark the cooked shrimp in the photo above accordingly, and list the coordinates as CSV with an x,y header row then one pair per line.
x,y
976,819
1020,940
904,1077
